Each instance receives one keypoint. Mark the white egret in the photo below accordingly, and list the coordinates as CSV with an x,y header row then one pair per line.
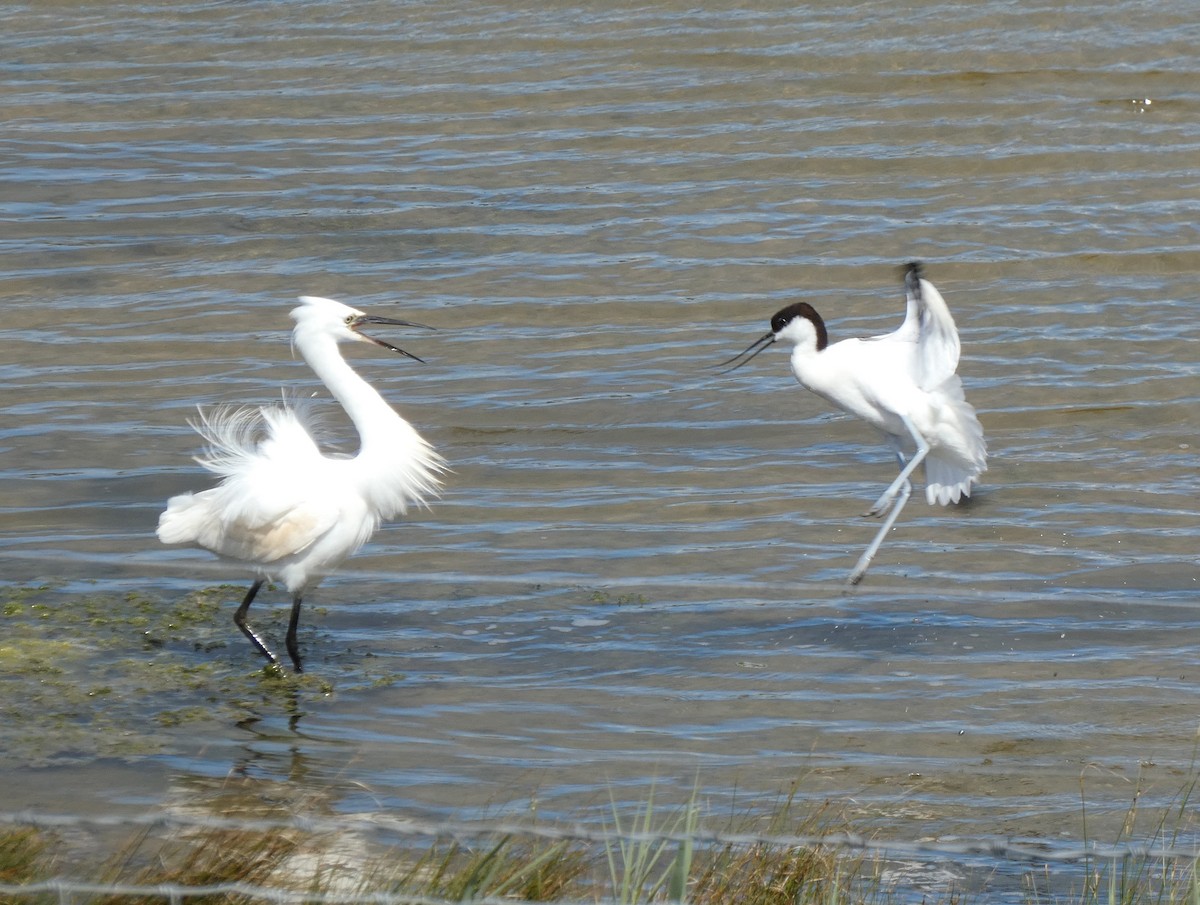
x,y
902,383
283,509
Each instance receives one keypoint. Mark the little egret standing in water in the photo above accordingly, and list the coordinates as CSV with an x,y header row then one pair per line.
x,y
903,383
283,509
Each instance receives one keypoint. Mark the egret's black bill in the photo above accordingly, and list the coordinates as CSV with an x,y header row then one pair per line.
x,y
390,321
742,358
372,319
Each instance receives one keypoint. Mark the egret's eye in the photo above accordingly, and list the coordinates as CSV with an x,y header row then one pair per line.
x,y
350,318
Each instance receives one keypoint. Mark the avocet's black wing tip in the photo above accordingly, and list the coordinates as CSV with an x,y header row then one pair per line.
x,y
914,272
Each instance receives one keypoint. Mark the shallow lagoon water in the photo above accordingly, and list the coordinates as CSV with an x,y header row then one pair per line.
x,y
633,579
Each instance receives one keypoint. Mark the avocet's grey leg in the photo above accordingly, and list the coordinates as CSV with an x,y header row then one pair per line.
x,y
906,469
860,569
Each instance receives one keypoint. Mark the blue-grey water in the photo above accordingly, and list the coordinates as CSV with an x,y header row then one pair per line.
x,y
634,577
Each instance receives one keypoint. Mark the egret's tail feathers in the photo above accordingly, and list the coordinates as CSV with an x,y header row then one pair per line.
x,y
184,520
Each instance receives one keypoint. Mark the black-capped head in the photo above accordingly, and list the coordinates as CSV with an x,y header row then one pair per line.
x,y
795,323
787,317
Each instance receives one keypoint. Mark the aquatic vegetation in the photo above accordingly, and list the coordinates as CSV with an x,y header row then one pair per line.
x,y
642,867
100,675
640,861
772,874
23,856
531,871
657,857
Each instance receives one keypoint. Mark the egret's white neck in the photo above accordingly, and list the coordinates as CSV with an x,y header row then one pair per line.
x,y
377,422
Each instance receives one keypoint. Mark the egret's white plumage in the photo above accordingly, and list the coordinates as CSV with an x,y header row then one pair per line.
x,y
283,508
904,384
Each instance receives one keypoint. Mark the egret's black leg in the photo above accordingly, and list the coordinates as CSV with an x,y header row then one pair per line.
x,y
239,619
292,646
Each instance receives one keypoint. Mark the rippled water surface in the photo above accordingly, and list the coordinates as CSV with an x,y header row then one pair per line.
x,y
634,576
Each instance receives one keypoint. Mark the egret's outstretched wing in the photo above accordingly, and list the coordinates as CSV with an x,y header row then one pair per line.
x,y
937,336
